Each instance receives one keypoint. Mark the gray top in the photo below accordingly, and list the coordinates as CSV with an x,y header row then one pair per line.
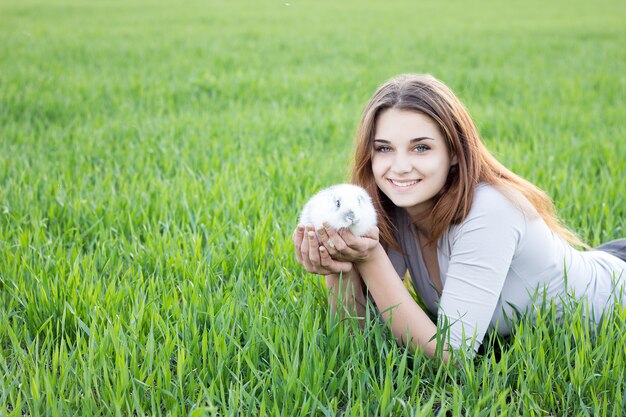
x,y
495,260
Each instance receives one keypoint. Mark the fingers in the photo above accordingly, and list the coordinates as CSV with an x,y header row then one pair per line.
x,y
313,255
309,252
373,233
296,238
351,241
303,252
332,265
340,244
359,243
314,252
343,245
327,241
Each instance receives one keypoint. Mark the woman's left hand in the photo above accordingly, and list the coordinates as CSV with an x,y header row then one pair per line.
x,y
344,246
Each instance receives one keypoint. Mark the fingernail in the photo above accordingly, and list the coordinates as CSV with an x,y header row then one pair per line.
x,y
310,234
321,231
300,228
325,224
322,249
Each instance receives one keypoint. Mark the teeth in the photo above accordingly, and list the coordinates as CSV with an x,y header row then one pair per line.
x,y
404,184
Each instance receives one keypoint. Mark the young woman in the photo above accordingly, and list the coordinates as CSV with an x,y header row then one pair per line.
x,y
478,241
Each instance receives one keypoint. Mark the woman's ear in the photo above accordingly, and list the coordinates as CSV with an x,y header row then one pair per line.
x,y
454,161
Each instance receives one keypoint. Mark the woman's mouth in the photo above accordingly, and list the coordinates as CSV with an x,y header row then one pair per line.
x,y
402,184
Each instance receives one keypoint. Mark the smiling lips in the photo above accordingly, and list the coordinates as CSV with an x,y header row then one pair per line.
x,y
402,184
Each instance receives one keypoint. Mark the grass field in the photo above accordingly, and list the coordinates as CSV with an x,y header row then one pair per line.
x,y
154,157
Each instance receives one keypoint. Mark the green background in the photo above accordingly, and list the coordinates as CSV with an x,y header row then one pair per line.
x,y
154,157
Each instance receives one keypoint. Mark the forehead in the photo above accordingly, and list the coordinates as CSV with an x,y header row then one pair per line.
x,y
396,124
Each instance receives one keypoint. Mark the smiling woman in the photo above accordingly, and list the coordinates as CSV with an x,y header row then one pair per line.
x,y
477,240
411,159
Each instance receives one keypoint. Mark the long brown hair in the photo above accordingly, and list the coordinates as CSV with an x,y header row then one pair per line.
x,y
429,96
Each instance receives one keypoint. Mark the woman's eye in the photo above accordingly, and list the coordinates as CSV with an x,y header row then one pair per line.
x,y
382,149
421,148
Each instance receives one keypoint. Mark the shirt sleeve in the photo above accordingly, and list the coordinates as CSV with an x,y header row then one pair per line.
x,y
481,250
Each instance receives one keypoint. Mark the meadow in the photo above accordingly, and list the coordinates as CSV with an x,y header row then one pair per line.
x,y
154,156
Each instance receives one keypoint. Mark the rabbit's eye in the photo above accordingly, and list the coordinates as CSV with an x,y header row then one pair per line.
x,y
338,203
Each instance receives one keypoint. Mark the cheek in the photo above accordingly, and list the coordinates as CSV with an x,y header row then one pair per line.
x,y
377,167
438,167
378,172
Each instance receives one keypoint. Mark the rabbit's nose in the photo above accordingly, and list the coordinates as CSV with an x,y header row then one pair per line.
x,y
350,216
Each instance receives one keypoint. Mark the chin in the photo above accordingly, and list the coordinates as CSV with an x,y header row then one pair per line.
x,y
403,203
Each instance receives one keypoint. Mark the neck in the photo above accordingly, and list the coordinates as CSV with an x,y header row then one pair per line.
x,y
420,216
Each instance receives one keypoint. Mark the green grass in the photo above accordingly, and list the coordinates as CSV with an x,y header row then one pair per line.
x,y
154,157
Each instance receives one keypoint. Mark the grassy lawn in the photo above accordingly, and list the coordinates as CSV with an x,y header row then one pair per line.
x,y
154,157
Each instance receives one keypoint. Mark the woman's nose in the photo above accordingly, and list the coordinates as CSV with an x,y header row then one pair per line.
x,y
401,163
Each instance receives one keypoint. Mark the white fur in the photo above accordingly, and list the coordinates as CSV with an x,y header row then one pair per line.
x,y
355,212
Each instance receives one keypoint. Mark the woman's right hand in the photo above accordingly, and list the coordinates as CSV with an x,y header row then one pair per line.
x,y
313,256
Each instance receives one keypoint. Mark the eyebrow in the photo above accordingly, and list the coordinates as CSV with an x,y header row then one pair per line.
x,y
421,138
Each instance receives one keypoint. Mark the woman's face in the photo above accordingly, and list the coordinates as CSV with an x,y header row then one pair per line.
x,y
410,159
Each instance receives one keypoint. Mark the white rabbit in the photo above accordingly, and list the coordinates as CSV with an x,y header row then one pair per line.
x,y
341,206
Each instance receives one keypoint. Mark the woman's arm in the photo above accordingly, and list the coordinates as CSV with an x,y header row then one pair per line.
x,y
409,323
345,295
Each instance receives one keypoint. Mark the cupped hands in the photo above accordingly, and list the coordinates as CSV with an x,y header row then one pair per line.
x,y
327,251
